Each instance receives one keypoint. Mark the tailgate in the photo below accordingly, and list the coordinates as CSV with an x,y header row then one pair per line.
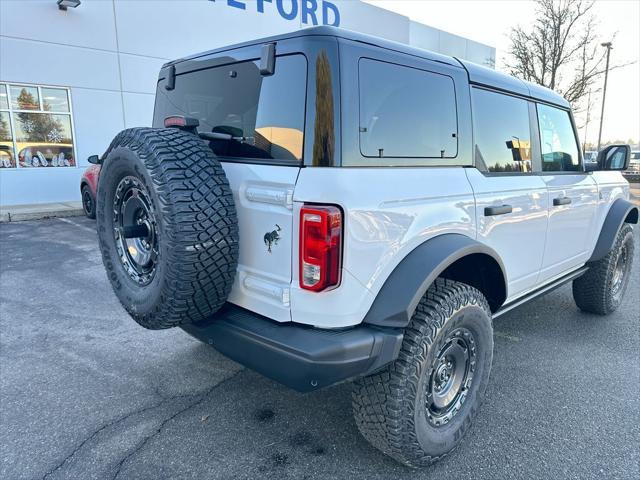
x,y
265,220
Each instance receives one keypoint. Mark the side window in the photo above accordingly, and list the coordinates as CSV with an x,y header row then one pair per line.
x,y
557,141
501,131
406,112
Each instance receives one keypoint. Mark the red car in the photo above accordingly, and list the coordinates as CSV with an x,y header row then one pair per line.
x,y
88,188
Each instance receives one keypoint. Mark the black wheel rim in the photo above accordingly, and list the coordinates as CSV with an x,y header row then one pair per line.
x,y
87,202
135,230
619,272
451,377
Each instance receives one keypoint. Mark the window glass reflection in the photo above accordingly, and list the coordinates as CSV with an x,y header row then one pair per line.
x,y
43,140
35,127
7,159
557,140
54,99
264,115
406,112
24,98
502,134
4,99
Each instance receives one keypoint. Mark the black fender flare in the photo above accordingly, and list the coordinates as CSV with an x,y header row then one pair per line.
x,y
621,211
399,296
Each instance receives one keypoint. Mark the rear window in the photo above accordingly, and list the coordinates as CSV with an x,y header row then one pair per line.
x,y
265,115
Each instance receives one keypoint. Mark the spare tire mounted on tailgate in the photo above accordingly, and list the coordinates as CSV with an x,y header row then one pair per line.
x,y
167,226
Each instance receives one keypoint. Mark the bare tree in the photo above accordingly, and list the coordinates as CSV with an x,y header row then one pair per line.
x,y
560,50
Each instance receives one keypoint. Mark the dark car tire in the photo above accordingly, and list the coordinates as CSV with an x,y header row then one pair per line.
x,y
170,183
393,408
88,202
601,289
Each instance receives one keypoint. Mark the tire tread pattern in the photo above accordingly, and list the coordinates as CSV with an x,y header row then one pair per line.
x,y
592,290
383,403
200,227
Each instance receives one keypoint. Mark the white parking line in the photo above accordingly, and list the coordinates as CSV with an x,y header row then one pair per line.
x,y
83,227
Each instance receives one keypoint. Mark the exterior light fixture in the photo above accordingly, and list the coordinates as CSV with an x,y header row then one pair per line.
x,y
64,4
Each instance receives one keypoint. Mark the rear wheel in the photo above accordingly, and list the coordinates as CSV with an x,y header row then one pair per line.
x,y
418,408
88,202
167,227
601,289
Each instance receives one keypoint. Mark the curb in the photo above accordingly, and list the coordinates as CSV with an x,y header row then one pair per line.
x,y
7,217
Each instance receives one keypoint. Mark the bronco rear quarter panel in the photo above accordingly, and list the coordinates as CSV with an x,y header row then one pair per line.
x,y
388,212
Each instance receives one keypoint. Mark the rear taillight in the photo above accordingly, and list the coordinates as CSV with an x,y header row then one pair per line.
x,y
320,247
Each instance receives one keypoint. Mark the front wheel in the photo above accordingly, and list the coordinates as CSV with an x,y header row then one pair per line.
x,y
601,289
418,408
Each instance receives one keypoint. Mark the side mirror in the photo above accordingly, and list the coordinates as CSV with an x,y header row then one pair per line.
x,y
614,157
95,159
591,167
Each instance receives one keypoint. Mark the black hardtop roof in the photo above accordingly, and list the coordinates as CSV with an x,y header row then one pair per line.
x,y
477,73
328,31
491,78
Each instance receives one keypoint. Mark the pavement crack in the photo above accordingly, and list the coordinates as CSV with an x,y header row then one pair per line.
x,y
164,401
200,398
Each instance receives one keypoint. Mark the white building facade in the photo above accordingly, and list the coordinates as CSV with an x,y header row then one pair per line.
x,y
71,79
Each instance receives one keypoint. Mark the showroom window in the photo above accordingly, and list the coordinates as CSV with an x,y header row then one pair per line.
x,y
35,127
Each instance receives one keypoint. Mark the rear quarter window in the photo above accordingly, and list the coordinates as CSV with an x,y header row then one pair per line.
x,y
264,114
405,113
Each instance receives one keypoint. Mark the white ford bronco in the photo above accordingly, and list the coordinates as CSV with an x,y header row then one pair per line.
x,y
325,206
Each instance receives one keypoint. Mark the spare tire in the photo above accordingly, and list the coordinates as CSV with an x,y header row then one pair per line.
x,y
167,226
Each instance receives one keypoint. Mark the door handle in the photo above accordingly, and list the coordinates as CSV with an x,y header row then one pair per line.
x,y
497,210
561,201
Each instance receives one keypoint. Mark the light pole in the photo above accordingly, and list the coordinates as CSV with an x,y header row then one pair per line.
x,y
608,46
586,123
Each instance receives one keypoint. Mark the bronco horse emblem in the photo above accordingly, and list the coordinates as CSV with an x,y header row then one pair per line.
x,y
271,238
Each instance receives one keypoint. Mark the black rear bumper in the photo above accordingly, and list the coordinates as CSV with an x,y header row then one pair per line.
x,y
300,357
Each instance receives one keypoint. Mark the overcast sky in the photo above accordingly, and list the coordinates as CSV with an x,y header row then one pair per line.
x,y
490,21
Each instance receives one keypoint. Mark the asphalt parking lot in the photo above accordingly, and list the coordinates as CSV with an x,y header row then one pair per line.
x,y
86,393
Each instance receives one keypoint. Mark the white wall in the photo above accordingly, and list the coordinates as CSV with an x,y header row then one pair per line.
x,y
109,53
428,38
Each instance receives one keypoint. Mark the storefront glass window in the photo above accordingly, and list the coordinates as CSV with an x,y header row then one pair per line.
x,y
7,159
4,100
24,98
35,127
55,100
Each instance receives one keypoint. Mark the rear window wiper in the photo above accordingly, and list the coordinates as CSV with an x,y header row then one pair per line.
x,y
190,124
226,136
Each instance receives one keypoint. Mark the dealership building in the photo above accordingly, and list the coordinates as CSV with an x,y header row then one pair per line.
x,y
75,74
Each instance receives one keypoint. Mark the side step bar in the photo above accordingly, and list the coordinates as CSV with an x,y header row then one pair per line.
x,y
540,291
